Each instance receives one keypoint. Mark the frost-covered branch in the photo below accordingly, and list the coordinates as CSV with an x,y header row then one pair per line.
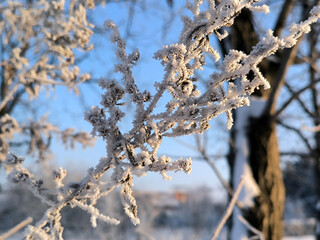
x,y
38,43
188,111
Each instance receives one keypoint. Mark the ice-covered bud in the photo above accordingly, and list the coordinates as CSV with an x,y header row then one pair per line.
x,y
12,159
187,87
233,60
117,114
111,97
142,97
143,158
59,174
97,118
184,165
114,92
18,177
134,57
109,24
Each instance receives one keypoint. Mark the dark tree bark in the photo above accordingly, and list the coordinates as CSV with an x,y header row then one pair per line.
x,y
264,156
264,160
314,56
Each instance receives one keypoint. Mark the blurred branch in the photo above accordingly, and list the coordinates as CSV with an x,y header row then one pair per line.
x,y
196,158
144,234
304,107
228,211
203,152
16,228
204,155
130,18
294,96
258,233
286,9
298,132
287,60
9,96
302,155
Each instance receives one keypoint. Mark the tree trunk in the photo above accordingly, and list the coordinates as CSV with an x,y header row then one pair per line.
x,y
317,175
263,156
264,159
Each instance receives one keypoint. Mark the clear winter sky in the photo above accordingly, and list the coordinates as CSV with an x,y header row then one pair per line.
x,y
148,28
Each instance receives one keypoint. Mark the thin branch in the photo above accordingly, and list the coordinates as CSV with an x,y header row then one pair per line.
x,y
299,154
9,96
299,101
196,158
15,100
45,81
185,144
202,150
144,234
293,97
228,211
285,11
288,58
205,156
313,56
251,228
130,18
298,132
312,64
16,228
218,174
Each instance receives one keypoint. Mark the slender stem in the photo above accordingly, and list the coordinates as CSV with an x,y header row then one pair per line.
x,y
224,183
16,228
9,96
294,96
228,211
251,228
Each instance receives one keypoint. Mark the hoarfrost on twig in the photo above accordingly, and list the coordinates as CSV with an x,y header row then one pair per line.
x,y
189,110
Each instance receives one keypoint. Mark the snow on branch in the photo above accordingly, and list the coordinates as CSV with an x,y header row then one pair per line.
x,y
135,153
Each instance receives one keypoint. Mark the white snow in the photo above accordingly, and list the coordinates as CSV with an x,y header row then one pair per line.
x,y
242,168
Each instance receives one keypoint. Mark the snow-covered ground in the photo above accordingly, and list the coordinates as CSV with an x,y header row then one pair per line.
x,y
300,238
163,234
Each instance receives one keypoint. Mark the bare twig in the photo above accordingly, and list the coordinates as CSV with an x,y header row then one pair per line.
x,y
298,132
299,100
143,233
288,58
194,158
293,97
130,18
16,228
205,156
228,211
251,228
9,96
299,154
286,9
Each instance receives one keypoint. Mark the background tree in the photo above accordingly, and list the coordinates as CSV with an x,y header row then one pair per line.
x,y
38,42
254,143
